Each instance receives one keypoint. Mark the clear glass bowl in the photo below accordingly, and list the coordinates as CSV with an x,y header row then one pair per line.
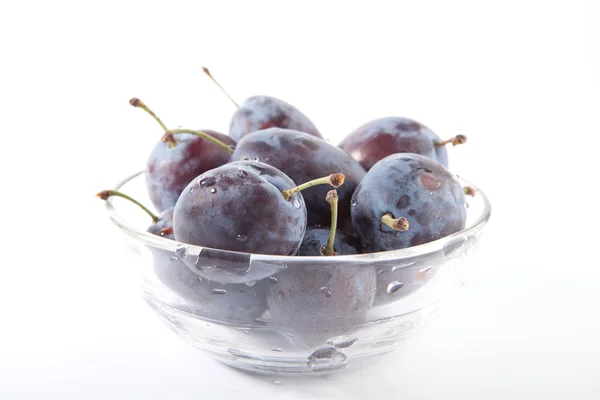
x,y
295,315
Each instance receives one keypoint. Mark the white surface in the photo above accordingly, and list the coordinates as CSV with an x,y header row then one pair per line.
x,y
519,78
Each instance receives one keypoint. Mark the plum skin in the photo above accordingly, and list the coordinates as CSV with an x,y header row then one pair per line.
x,y
241,303
170,169
239,207
379,138
262,112
303,158
322,296
411,186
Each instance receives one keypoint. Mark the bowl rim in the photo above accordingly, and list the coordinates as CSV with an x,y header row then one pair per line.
x,y
412,252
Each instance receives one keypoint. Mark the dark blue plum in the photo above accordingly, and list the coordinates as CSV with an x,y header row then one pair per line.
x,y
382,137
409,186
239,207
322,296
262,112
170,169
164,226
303,158
228,302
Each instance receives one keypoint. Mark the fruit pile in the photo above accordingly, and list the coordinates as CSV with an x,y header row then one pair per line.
x,y
267,186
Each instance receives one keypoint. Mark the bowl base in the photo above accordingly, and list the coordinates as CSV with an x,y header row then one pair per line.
x,y
281,351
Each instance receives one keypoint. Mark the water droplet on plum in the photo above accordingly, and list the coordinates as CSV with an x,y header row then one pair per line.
x,y
208,182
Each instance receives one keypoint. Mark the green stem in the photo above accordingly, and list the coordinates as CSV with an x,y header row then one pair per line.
x,y
168,138
105,194
335,180
140,104
332,198
207,72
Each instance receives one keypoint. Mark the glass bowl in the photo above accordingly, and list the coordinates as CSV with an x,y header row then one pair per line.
x,y
283,315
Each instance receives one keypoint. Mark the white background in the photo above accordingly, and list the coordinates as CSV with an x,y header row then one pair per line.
x,y
520,78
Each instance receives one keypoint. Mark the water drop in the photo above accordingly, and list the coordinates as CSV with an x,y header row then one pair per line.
x,y
243,173
325,352
268,159
277,382
191,190
426,269
173,258
242,238
397,267
262,320
281,295
246,159
277,349
256,159
199,279
181,252
212,190
208,182
341,342
467,205
296,203
333,357
380,272
353,202
246,331
203,267
394,286
272,279
218,291
326,291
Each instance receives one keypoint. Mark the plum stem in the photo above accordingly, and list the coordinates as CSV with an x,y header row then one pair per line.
x,y
105,194
335,180
207,72
140,104
332,198
397,224
456,140
469,191
169,138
